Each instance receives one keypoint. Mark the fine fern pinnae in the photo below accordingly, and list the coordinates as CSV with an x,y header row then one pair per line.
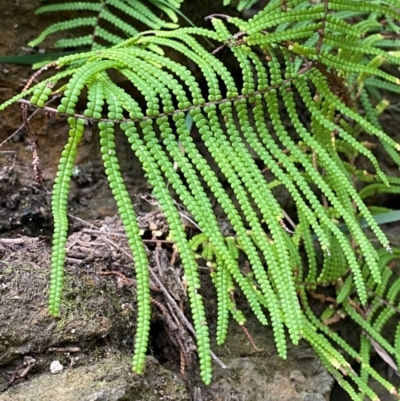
x,y
109,22
108,11
292,55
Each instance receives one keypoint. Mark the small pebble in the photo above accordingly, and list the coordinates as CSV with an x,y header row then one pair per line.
x,y
56,367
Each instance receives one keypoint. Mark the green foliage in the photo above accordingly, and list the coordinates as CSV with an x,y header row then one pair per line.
x,y
241,4
376,320
59,209
108,22
105,26
300,105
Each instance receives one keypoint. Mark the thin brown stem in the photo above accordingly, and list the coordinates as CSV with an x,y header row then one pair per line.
x,y
303,70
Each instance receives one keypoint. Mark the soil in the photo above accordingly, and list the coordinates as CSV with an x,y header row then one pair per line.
x,y
92,339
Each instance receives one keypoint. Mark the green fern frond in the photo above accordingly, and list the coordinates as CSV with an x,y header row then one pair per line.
x,y
241,4
106,11
63,26
59,210
292,56
96,94
377,188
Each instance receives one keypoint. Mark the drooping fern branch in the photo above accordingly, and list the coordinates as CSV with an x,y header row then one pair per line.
x,y
108,11
381,310
293,56
108,22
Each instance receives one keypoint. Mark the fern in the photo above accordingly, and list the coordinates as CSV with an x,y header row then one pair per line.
x,y
241,4
293,56
133,11
106,27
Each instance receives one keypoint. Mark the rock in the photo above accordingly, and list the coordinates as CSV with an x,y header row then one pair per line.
x,y
92,341
261,375
107,379
91,308
56,367
261,378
